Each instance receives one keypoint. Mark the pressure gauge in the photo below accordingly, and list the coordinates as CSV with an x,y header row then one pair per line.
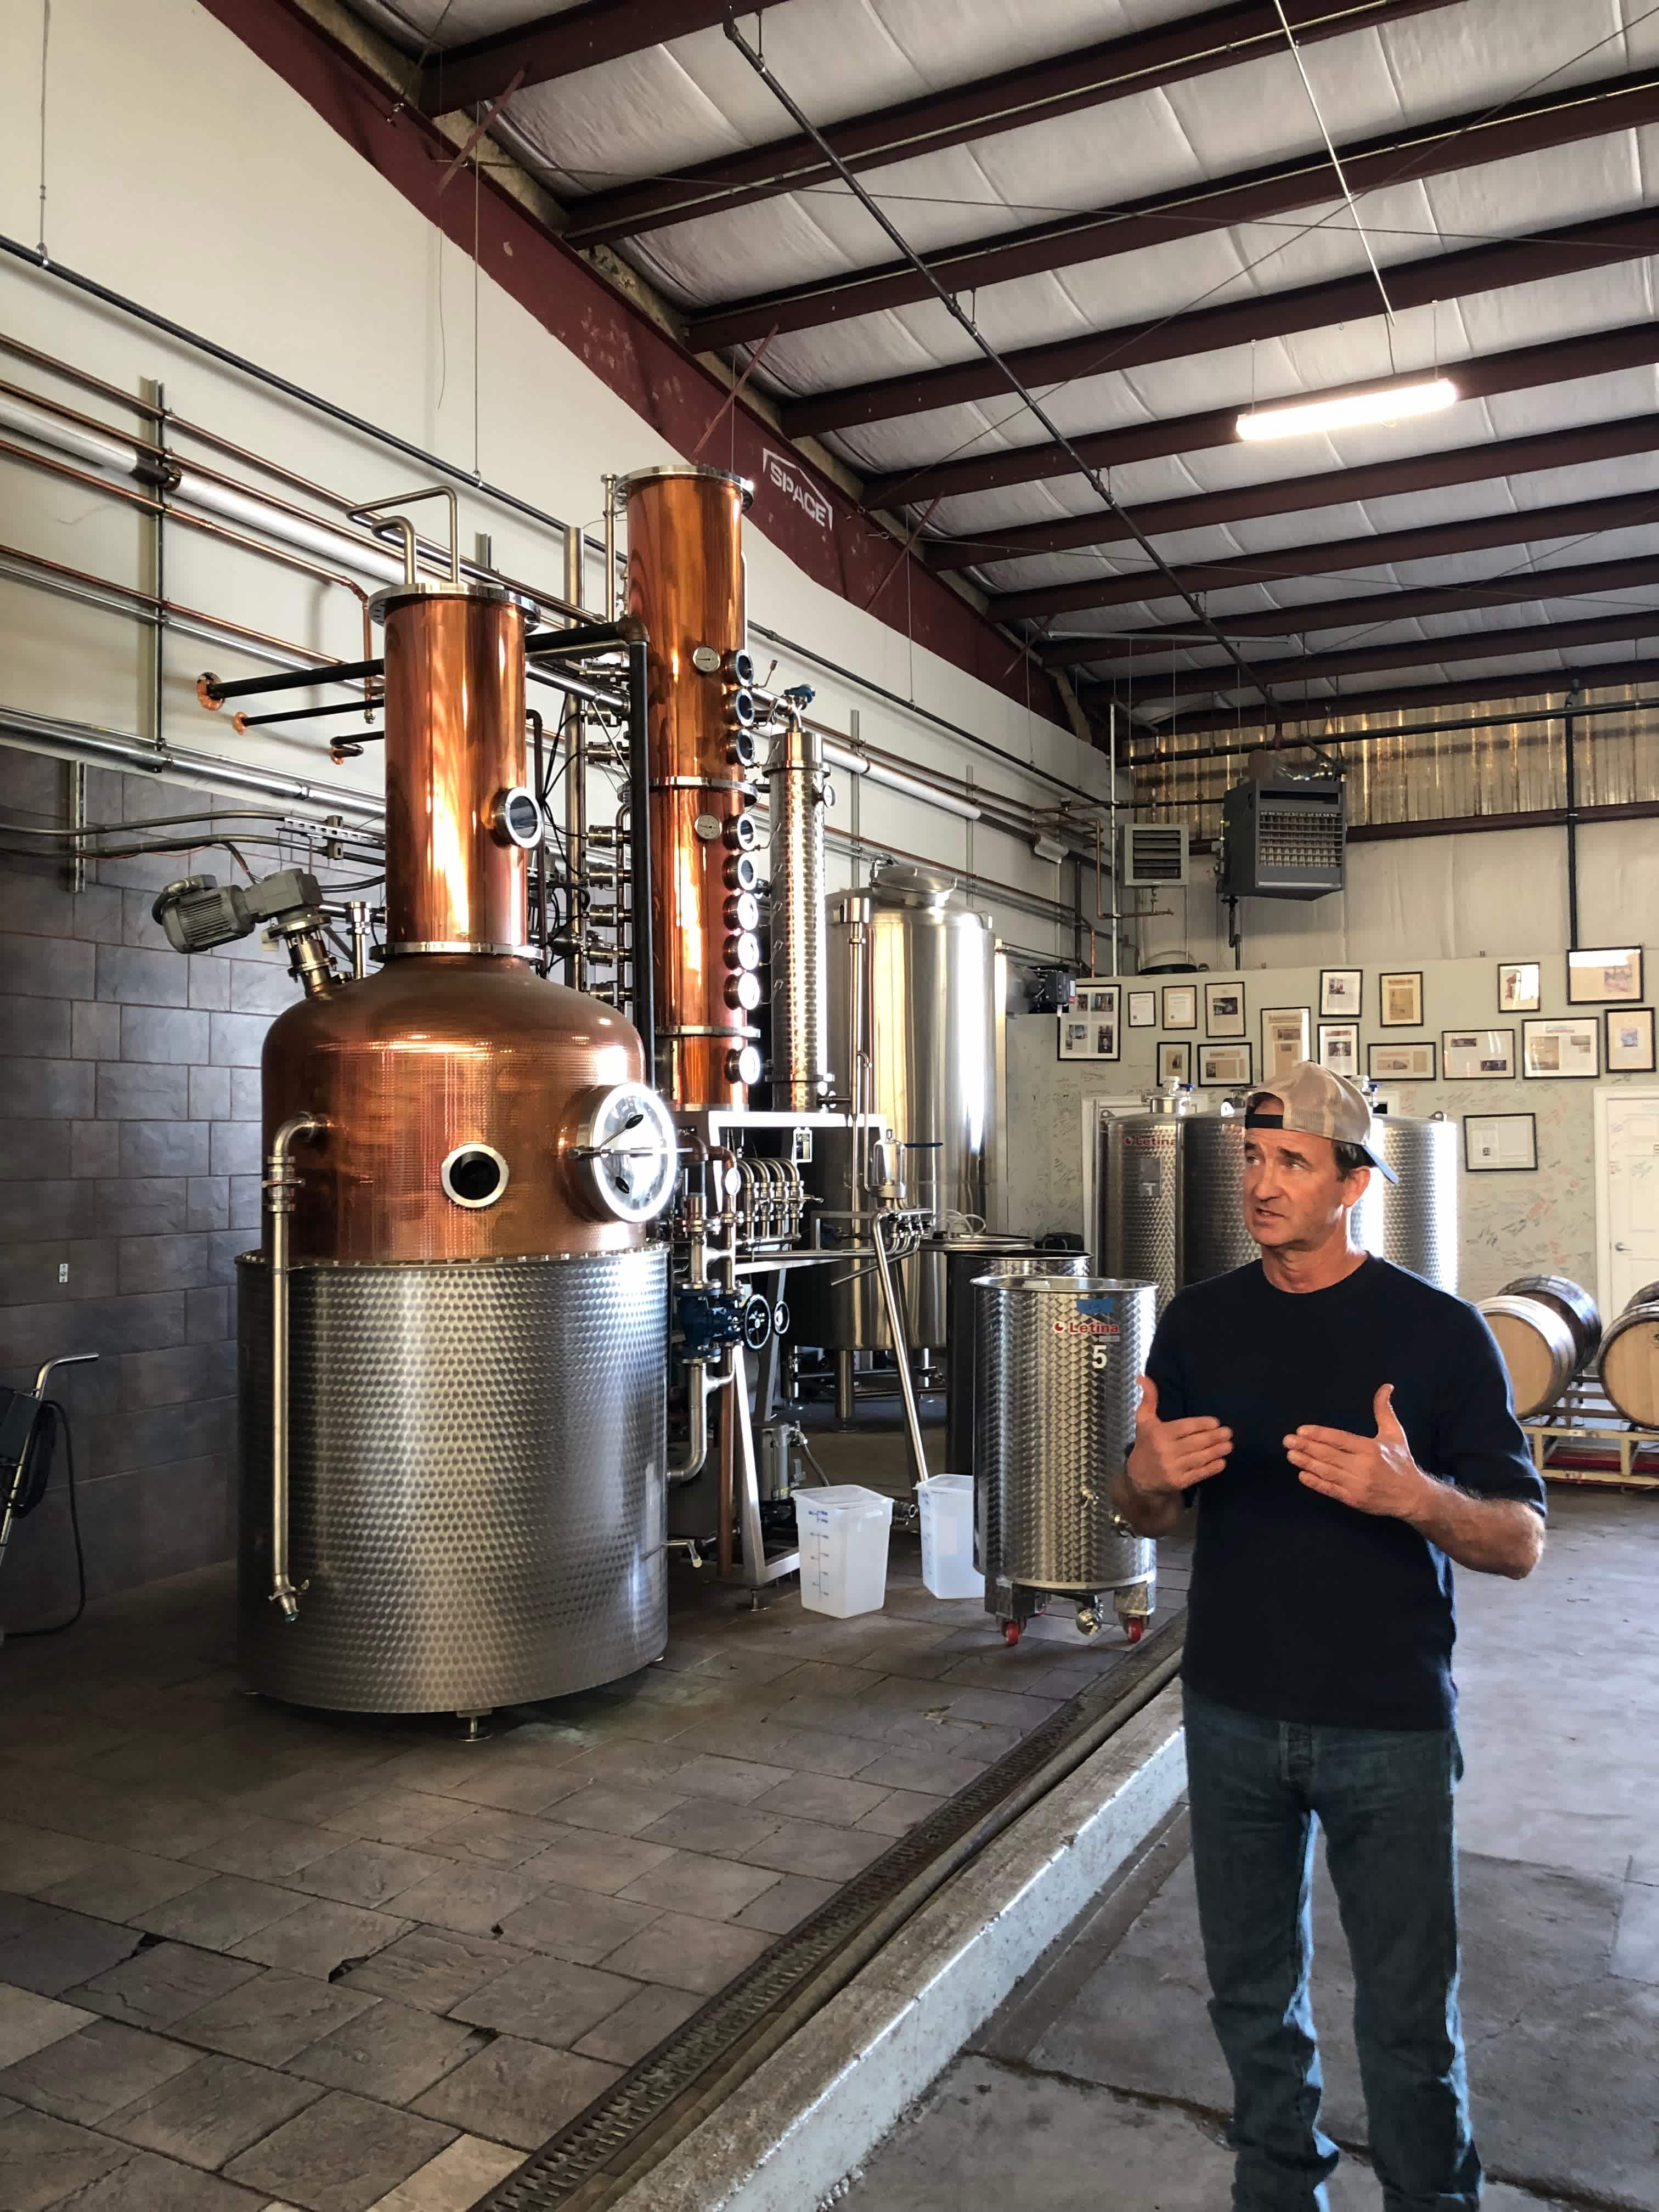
x,y
628,1152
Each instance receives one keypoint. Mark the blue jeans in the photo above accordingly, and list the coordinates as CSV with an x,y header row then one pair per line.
x,y
1384,1798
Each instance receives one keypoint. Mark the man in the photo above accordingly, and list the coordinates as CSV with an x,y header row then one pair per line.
x,y
1346,1431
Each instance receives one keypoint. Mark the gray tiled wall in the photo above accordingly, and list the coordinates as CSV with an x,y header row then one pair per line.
x,y
129,1155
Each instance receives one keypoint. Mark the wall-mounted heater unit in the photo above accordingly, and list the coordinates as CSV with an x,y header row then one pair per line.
x,y
1284,838
1152,853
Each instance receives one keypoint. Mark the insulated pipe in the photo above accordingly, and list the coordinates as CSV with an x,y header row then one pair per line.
x,y
280,1182
895,778
643,971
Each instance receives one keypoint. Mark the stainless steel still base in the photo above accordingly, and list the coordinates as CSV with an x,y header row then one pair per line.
x,y
476,1472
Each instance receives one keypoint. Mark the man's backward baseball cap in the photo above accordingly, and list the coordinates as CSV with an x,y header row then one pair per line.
x,y
1318,1103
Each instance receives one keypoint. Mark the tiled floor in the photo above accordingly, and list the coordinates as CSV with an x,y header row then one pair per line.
x,y
250,1956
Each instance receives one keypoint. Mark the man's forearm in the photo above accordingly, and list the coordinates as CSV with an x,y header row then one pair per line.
x,y
1491,1535
1153,1513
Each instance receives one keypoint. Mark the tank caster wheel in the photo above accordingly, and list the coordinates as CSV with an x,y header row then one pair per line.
x,y
1134,1627
1010,1633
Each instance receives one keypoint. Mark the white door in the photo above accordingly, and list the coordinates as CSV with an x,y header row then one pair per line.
x,y
1627,1195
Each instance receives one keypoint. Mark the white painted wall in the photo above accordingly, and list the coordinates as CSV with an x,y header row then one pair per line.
x,y
184,174
1501,895
1512,1223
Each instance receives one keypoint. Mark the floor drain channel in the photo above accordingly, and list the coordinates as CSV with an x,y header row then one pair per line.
x,y
661,2098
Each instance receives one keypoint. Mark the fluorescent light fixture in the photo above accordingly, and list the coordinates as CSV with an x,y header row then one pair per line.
x,y
1301,418
1049,848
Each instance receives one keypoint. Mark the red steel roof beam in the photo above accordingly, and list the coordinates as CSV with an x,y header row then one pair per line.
x,y
1457,142
1486,268
557,45
1172,54
1413,699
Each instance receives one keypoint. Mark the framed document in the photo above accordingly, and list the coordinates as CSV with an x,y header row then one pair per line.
x,y
1181,1005
1286,1037
1630,1041
1224,1066
1401,1063
1224,1008
1400,1000
1495,1142
1341,990
1143,1010
1570,1047
1175,1062
1339,1049
1517,987
1596,979
1477,1055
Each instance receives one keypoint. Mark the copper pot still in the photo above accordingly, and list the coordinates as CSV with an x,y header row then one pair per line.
x,y
685,583
478,1320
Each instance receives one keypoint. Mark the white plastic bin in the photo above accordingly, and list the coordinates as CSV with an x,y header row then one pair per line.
x,y
946,1506
843,1548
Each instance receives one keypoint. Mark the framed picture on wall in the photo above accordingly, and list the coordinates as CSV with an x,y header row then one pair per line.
x,y
1408,1062
1341,991
1224,1008
1517,987
1477,1055
1143,1010
1595,978
1400,1000
1495,1142
1181,1005
1339,1049
1286,1037
1224,1066
1175,1062
1089,1028
1630,1041
1571,1047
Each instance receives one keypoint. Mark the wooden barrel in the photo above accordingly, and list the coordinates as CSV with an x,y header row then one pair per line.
x,y
1575,1305
1629,1365
1647,1296
1538,1348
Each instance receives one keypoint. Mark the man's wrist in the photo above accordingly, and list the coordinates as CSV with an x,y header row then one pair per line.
x,y
1424,1509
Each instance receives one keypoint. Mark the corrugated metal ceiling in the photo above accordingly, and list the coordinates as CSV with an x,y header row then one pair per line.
x,y
656,110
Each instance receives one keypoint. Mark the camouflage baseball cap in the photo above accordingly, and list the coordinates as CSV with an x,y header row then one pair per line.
x,y
1318,1103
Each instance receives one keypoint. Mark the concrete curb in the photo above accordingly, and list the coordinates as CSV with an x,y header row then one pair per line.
x,y
812,2110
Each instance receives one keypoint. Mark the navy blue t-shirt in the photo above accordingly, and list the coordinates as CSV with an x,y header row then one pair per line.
x,y
1303,1608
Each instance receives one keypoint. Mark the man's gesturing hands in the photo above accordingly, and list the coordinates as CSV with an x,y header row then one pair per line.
x,y
1171,1456
1374,1474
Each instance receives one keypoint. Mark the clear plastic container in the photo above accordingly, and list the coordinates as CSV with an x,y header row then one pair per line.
x,y
946,1506
843,1533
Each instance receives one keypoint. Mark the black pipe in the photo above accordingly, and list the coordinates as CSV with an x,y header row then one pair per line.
x,y
295,680
578,637
639,858
305,714
1575,693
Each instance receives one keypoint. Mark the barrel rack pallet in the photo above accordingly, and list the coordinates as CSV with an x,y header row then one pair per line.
x,y
1582,1439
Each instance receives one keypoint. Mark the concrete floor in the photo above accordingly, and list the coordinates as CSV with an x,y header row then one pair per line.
x,y
250,1956
1100,2081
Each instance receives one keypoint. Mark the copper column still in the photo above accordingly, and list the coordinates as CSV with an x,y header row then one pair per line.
x,y
475,1443
685,583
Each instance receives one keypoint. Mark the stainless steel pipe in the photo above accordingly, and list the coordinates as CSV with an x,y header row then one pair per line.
x,y
279,1186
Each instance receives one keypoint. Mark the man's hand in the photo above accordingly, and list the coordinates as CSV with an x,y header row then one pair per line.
x,y
1169,1459
1374,1474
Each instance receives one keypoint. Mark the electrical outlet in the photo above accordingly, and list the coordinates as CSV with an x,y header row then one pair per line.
x,y
62,1271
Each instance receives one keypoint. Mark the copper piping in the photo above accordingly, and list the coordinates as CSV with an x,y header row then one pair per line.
x,y
65,468
162,606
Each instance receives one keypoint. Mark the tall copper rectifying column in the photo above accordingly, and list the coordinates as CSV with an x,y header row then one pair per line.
x,y
685,583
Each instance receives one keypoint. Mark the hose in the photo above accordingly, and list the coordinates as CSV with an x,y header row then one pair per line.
x,y
34,1473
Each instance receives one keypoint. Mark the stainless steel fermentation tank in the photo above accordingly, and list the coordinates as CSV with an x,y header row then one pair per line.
x,y
1063,1354
915,1017
1171,1198
981,1273
454,1343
